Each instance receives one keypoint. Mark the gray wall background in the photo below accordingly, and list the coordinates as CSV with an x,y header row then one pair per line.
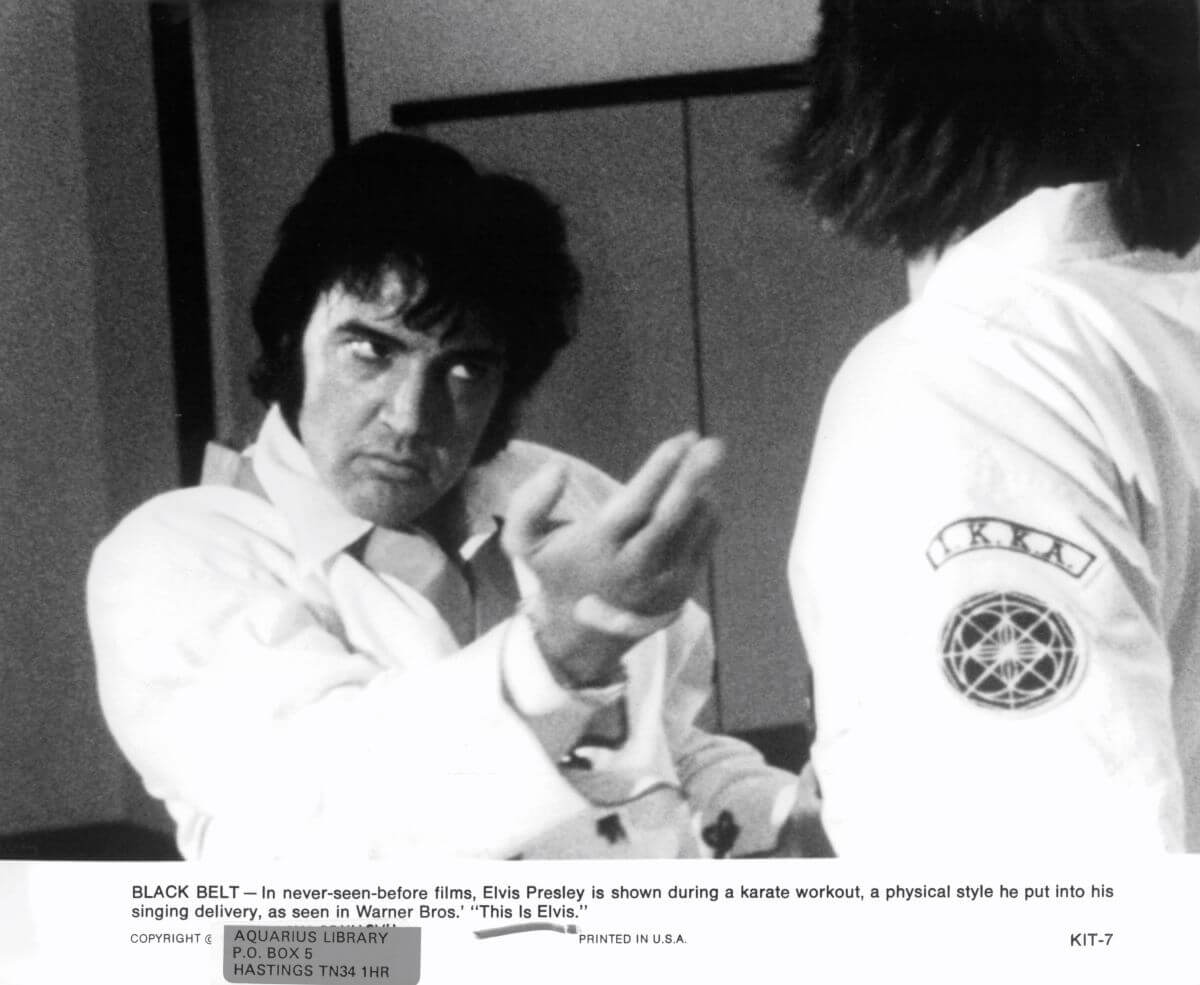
x,y
85,365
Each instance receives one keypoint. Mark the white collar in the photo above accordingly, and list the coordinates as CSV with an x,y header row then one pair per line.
x,y
1049,225
321,526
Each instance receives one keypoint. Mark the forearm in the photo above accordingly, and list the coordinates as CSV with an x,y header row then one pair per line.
x,y
238,705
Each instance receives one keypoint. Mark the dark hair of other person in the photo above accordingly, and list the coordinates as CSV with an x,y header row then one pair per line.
x,y
486,246
928,118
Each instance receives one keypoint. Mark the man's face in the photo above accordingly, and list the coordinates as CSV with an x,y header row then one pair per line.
x,y
391,416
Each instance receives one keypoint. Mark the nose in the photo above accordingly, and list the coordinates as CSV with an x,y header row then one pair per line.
x,y
408,409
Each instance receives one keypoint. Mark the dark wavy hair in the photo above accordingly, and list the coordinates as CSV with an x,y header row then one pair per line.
x,y
927,118
487,246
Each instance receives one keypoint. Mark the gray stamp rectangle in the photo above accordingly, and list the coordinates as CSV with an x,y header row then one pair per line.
x,y
277,955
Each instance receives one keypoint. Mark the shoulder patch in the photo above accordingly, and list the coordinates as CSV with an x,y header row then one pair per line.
x,y
980,533
1010,651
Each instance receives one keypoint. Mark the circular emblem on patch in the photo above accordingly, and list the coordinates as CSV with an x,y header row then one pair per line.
x,y
1008,650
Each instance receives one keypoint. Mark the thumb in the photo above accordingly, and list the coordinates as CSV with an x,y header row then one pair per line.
x,y
528,518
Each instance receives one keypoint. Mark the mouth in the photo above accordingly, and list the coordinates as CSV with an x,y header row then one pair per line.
x,y
396,468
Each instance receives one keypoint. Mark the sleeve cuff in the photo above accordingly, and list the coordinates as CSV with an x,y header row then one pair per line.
x,y
555,714
785,800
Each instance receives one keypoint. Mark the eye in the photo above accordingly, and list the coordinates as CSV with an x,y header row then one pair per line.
x,y
368,350
471,370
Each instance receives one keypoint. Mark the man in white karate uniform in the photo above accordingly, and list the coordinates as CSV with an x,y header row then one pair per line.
x,y
997,561
386,630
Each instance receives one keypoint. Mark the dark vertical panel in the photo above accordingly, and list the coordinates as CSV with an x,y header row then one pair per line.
x,y
689,174
174,88
689,169
781,303
335,56
132,328
125,225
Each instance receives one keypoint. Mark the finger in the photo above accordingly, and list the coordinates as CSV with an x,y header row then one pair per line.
x,y
687,550
692,488
670,574
528,518
634,503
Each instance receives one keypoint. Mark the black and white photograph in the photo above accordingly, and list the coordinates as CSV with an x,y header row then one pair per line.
x,y
448,432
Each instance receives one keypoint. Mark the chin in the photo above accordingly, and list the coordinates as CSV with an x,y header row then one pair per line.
x,y
395,516
385,511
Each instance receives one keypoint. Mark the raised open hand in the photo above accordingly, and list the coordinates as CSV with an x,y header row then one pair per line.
x,y
640,554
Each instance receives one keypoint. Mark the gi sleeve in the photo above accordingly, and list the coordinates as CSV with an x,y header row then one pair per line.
x,y
269,738
740,803
980,608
